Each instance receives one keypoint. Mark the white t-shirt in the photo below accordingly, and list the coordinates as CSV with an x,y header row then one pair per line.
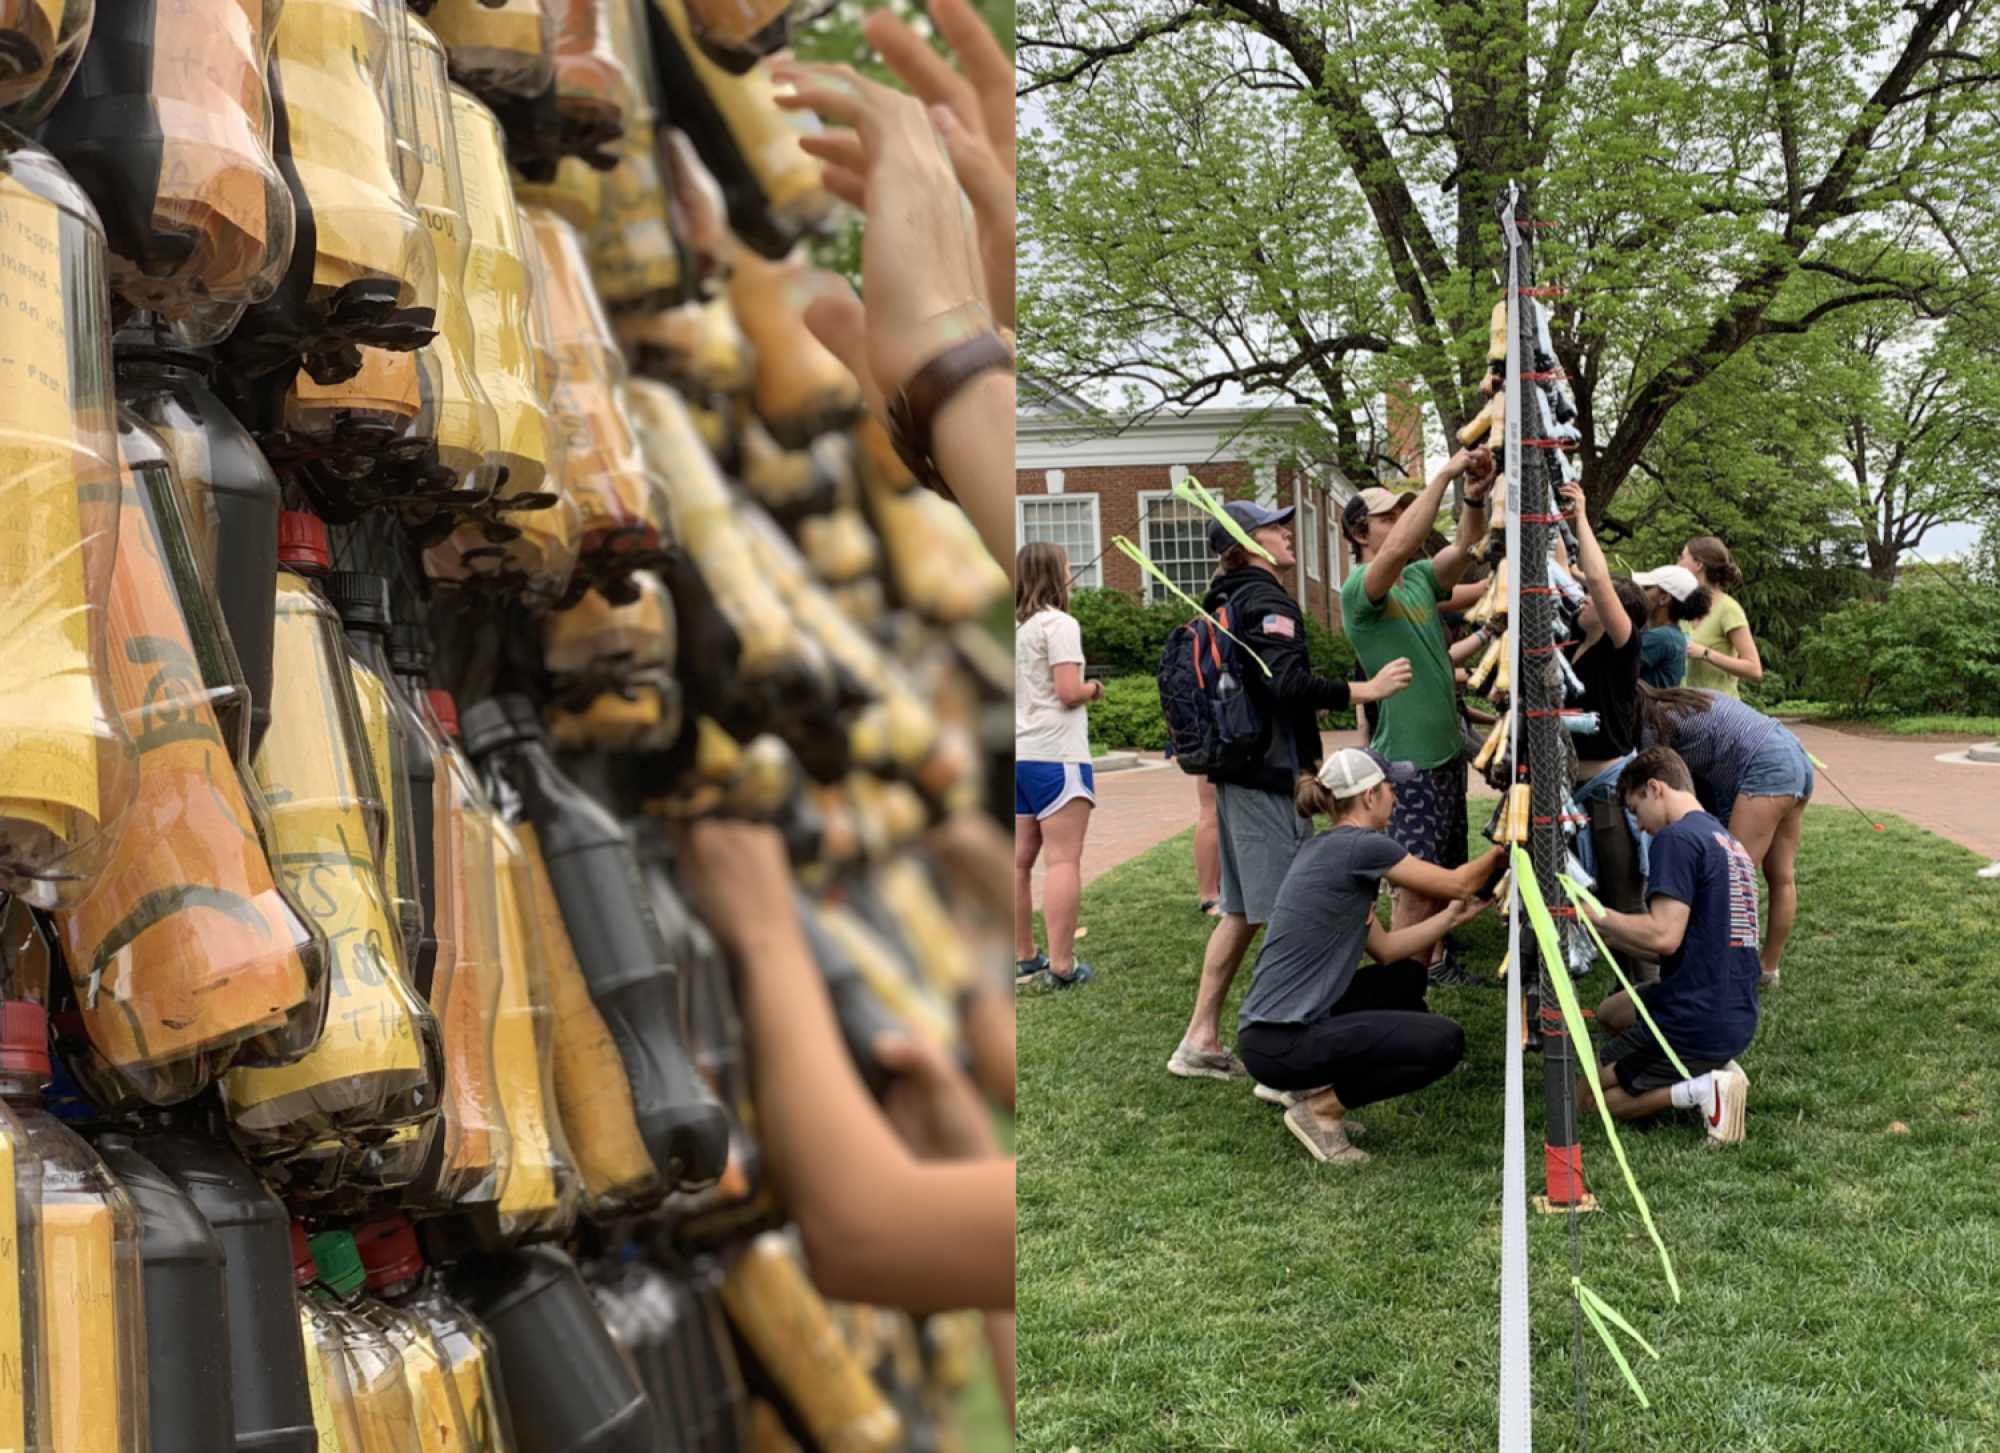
x,y
1044,729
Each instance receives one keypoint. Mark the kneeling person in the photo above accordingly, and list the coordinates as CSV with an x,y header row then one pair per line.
x,y
1316,1020
1701,922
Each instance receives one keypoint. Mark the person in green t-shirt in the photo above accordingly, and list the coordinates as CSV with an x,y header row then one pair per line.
x,y
1722,654
1389,608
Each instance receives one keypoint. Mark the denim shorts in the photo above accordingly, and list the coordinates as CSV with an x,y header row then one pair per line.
x,y
1779,768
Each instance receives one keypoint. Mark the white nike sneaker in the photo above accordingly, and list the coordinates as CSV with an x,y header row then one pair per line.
x,y
1728,1094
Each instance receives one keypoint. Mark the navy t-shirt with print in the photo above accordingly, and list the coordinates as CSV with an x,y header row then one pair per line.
x,y
1706,1000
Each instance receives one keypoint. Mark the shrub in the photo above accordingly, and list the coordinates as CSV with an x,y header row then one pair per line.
x,y
1925,649
1129,716
1120,632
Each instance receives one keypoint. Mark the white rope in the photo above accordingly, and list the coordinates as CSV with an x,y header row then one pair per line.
x,y
1516,1375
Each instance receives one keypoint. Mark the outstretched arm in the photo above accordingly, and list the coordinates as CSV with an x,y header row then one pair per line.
x,y
1596,571
878,1225
1414,527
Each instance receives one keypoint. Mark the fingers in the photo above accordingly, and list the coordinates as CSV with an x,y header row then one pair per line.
x,y
837,148
837,319
922,69
986,66
991,192
836,93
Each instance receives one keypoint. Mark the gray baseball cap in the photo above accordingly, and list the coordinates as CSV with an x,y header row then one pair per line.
x,y
1351,771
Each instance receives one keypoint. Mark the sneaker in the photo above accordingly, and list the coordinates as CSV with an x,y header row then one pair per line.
x,y
1198,1064
1028,970
1724,1114
1991,870
1450,972
1080,974
1326,1145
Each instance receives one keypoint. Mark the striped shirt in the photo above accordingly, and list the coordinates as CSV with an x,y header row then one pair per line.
x,y
1717,744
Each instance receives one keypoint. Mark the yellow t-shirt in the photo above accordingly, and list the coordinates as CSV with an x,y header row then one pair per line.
x,y
1712,631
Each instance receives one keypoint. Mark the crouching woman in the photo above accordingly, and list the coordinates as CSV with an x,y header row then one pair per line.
x,y
1316,1021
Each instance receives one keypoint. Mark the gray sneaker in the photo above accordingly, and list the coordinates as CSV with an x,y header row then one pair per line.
x,y
1198,1064
1326,1145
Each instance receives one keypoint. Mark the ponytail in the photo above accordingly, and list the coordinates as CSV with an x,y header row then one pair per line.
x,y
1310,797
1713,557
1698,604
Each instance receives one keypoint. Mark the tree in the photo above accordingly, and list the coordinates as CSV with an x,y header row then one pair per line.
x,y
1299,197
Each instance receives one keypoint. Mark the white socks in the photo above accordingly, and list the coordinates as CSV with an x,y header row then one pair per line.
x,y
1691,1094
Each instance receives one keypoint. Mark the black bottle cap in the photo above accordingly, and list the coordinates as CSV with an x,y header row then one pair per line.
x,y
410,649
486,726
361,598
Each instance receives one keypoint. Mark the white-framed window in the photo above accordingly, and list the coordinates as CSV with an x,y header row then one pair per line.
x,y
1068,520
1174,535
1308,532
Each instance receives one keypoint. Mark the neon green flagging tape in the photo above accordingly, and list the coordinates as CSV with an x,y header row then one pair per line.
x,y
1579,1034
1133,552
1585,1299
1580,895
1815,761
1195,493
1610,1314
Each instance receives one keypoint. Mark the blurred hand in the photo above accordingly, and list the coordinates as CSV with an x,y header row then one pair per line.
x,y
738,876
933,1106
1391,679
1467,909
1477,466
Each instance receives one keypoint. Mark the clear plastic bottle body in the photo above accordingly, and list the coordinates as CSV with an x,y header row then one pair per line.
x,y
798,388
542,1195
92,1278
189,946
168,127
43,41
23,1370
593,88
385,1414
378,1063
498,51
527,538
336,1415
698,348
467,1349
434,1402
68,770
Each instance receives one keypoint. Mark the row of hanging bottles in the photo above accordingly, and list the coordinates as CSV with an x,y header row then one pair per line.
x,y
401,523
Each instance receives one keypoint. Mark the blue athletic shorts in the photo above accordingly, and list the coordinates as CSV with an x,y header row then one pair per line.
x,y
1042,787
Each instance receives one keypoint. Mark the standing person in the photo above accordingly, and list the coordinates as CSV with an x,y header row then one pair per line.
x,y
1721,652
1758,780
1389,607
1053,789
1257,828
1207,850
1332,1033
1673,597
1606,659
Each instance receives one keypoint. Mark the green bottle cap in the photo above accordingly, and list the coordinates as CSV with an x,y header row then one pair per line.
x,y
339,1263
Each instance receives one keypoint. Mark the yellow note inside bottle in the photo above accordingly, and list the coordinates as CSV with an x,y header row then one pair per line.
x,y
13,1371
80,1326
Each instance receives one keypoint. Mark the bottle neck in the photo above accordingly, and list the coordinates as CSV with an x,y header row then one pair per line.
x,y
397,1292
370,646
22,1087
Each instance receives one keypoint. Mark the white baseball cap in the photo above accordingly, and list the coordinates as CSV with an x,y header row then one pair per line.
x,y
1351,771
1675,580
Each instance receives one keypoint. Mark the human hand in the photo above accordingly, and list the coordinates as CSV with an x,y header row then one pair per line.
x,y
738,876
1479,464
932,1105
1467,909
1571,496
1391,679
915,265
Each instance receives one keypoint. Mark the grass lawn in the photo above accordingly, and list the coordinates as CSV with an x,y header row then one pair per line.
x,y
1190,1279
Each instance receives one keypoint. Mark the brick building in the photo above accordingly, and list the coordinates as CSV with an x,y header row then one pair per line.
x,y
1081,491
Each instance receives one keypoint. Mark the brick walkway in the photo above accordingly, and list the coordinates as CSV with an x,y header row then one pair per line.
x,y
1149,804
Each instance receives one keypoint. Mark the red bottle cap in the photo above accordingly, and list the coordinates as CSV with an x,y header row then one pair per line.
x,y
305,1271
24,1037
446,709
302,543
388,1246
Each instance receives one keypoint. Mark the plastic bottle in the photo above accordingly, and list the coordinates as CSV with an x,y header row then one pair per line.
x,y
397,1275
378,1064
936,565
23,1378
190,1407
625,961
231,493
362,268
471,1008
40,44
526,538
775,1307
568,1388
384,1408
606,656
593,88
93,1317
336,1425
736,34
626,522
636,260
270,1389
799,388
434,1401
68,770
774,191
498,51
186,947
542,1193
167,124
697,348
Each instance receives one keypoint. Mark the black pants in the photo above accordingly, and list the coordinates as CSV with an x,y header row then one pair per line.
x,y
1376,1042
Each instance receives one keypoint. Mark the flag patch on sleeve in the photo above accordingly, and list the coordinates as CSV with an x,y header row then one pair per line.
x,y
1275,625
